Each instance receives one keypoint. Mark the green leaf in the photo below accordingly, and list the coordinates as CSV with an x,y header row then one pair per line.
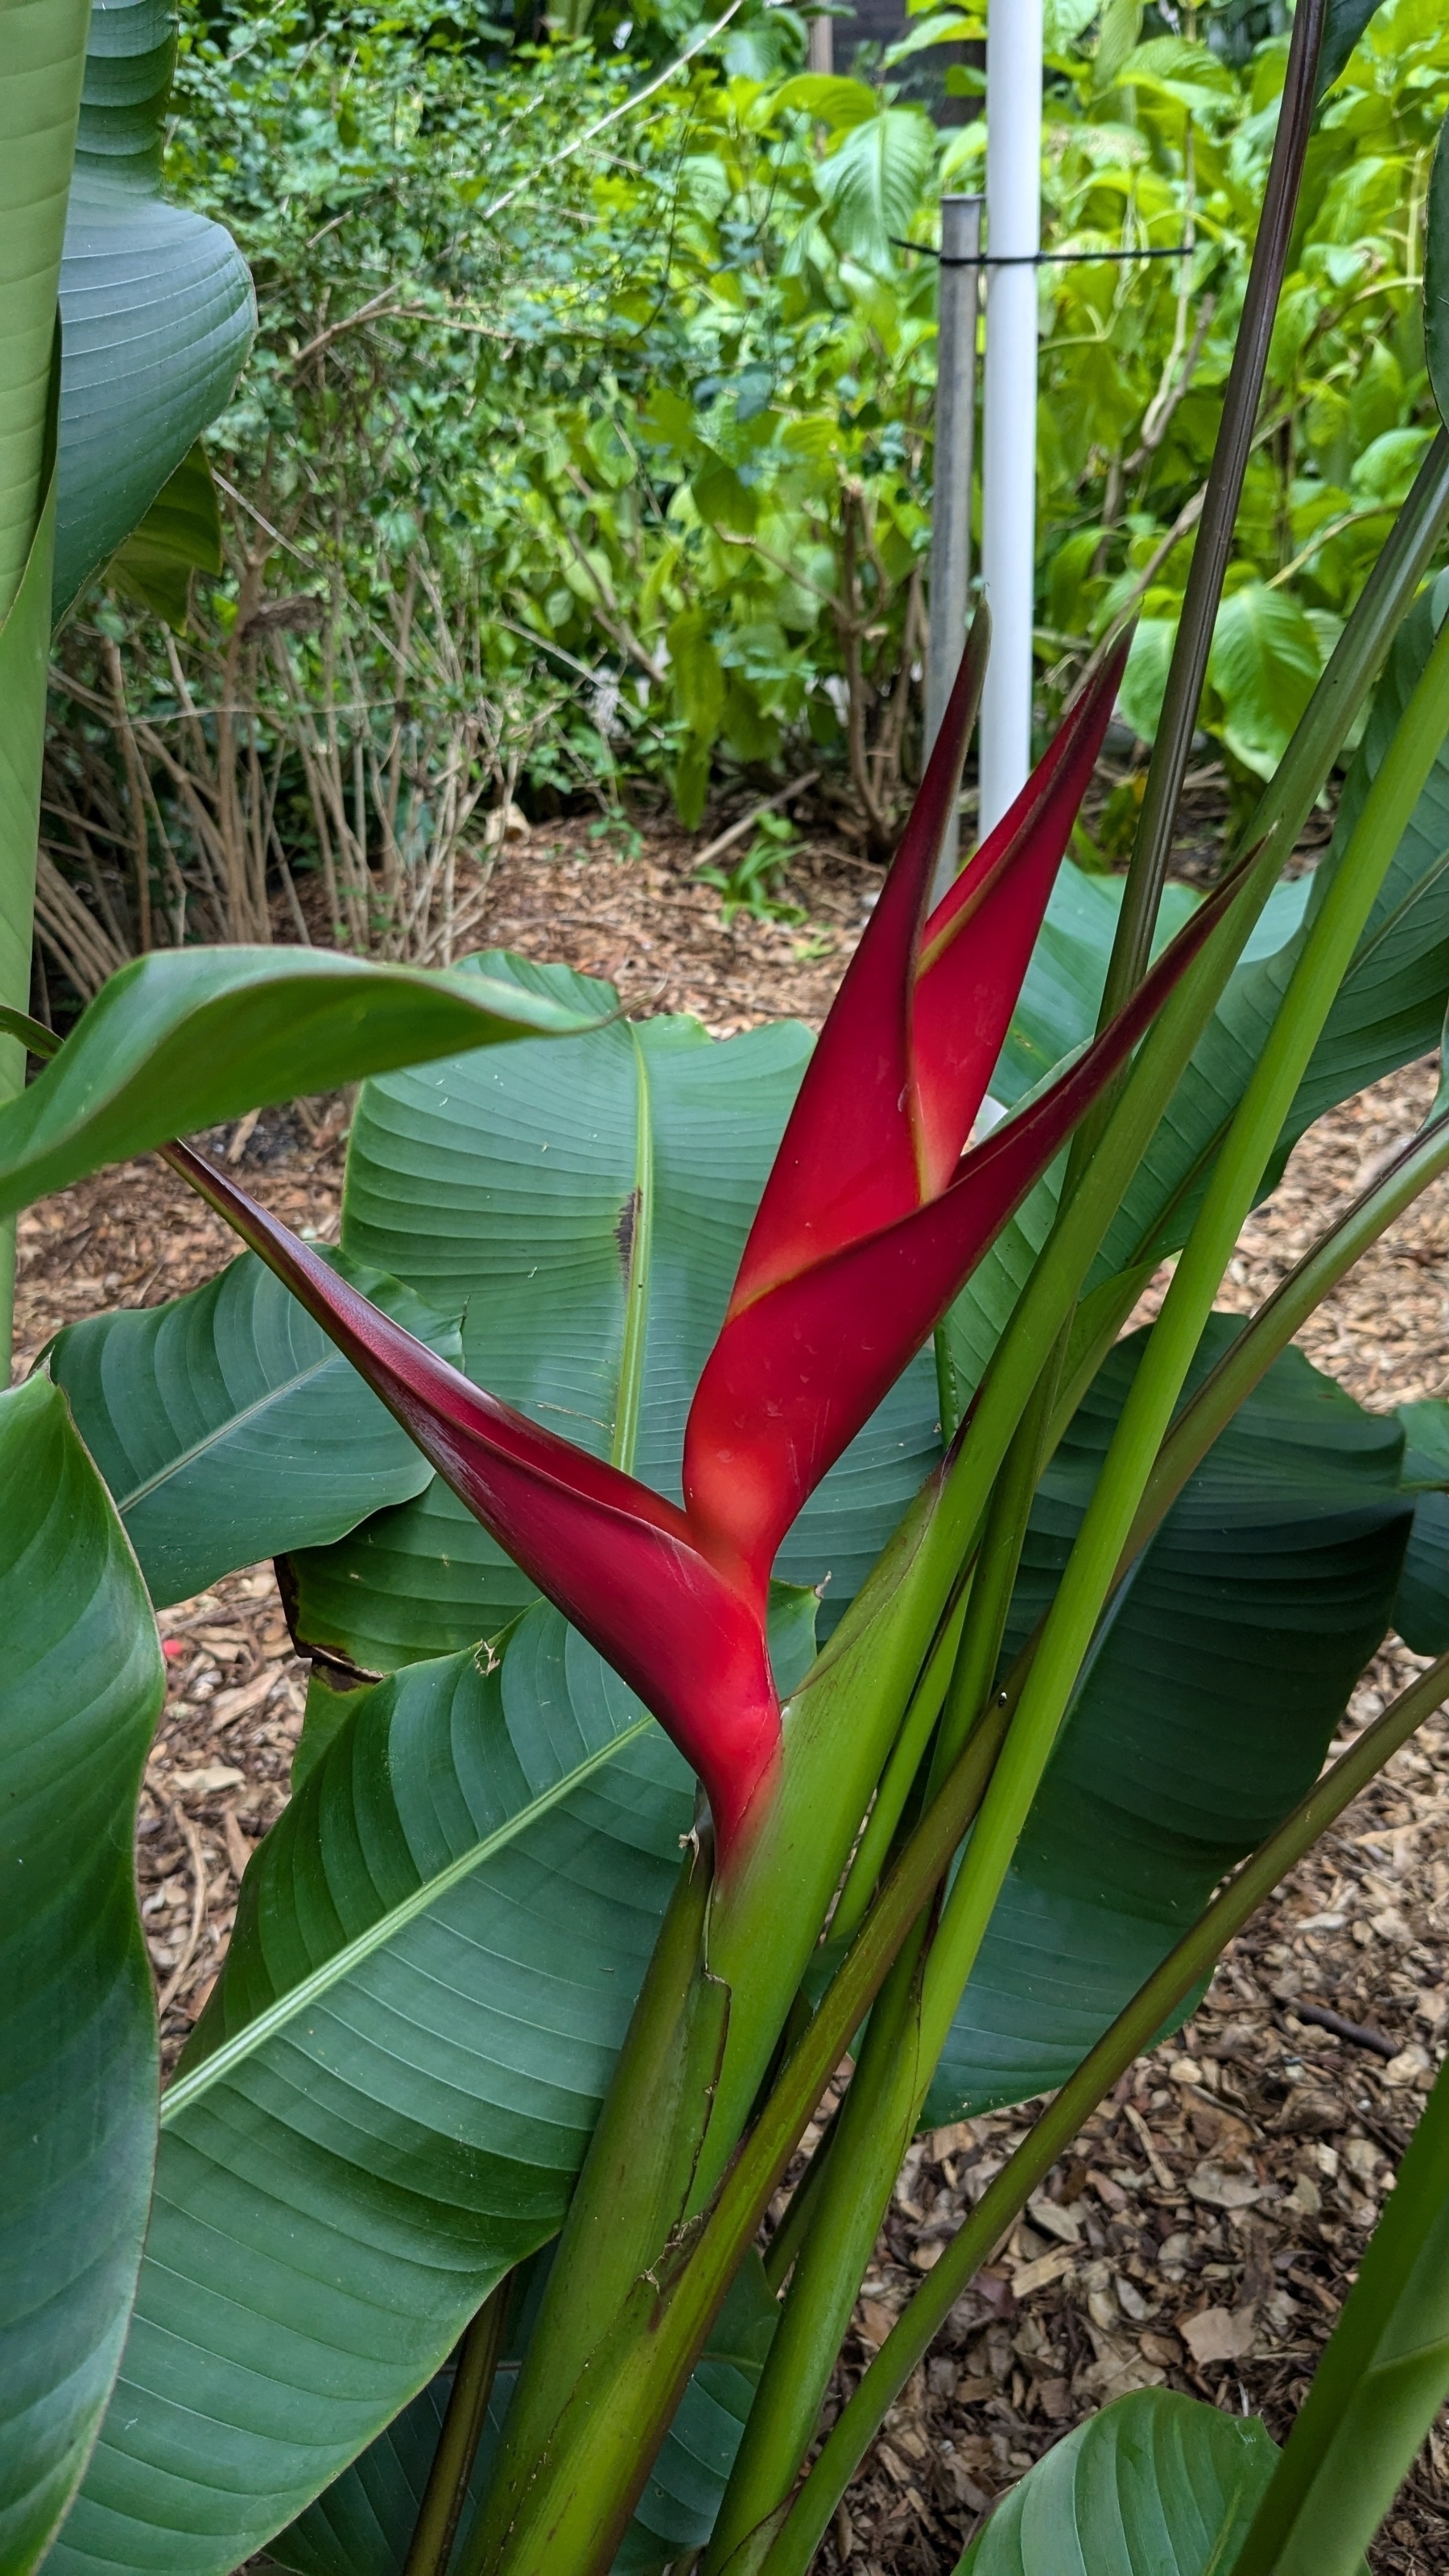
x,y
1436,276
83,1688
228,1427
1264,665
156,302
1203,1717
436,1954
1343,26
1421,1605
1379,2385
584,1205
1156,2482
874,179
363,2523
1389,1009
180,535
40,87
24,661
183,1039
833,100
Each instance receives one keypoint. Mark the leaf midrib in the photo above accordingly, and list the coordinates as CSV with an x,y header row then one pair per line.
x,y
223,1431
235,2052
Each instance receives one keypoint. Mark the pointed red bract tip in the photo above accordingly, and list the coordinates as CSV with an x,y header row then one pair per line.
x,y
617,1559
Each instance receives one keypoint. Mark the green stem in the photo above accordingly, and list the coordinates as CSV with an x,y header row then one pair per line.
x,y
585,2484
467,2412
1172,744
1134,2030
873,1849
877,2121
1145,1417
996,1567
1280,1316
1379,2385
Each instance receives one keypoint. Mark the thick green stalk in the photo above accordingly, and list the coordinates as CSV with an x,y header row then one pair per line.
x,y
877,2122
1172,744
1155,1390
630,2194
467,2412
1002,1541
585,2486
1134,2030
873,1849
1379,2385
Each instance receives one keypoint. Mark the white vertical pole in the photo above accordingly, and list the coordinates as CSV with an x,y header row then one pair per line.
x,y
1008,476
956,312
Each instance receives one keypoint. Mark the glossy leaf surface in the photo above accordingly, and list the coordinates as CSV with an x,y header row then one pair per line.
x,y
189,1037
1157,2482
228,1427
156,302
444,1932
1203,1718
83,1687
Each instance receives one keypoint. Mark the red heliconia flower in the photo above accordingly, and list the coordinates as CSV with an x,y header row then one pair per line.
x,y
872,1218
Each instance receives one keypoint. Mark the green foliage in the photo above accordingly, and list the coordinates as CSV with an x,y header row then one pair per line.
x,y
228,1427
1154,2463
156,302
82,1661
752,884
1379,2386
184,1041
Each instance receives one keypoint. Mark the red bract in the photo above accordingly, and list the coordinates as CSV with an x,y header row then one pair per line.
x,y
871,1220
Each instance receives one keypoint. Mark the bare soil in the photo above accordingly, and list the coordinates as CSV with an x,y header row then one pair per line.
x,y
1207,2228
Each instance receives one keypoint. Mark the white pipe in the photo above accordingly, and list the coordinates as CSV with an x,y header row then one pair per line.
x,y
1008,475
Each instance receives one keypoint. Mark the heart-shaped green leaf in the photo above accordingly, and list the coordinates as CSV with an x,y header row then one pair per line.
x,y
83,1687
229,1427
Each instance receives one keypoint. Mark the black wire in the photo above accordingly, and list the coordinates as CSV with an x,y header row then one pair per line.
x,y
1041,258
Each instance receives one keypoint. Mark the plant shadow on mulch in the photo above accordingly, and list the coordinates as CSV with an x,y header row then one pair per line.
x,y
1206,2229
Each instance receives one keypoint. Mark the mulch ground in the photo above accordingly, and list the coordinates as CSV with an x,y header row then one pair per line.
x,y
1206,2230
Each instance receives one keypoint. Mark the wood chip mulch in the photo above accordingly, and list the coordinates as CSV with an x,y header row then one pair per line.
x,y
1207,2228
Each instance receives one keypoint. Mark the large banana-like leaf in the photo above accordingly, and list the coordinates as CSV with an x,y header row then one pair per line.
x,y
586,1207
229,1427
42,54
1157,2482
81,1693
183,1039
364,2522
1204,1717
392,2088
156,302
